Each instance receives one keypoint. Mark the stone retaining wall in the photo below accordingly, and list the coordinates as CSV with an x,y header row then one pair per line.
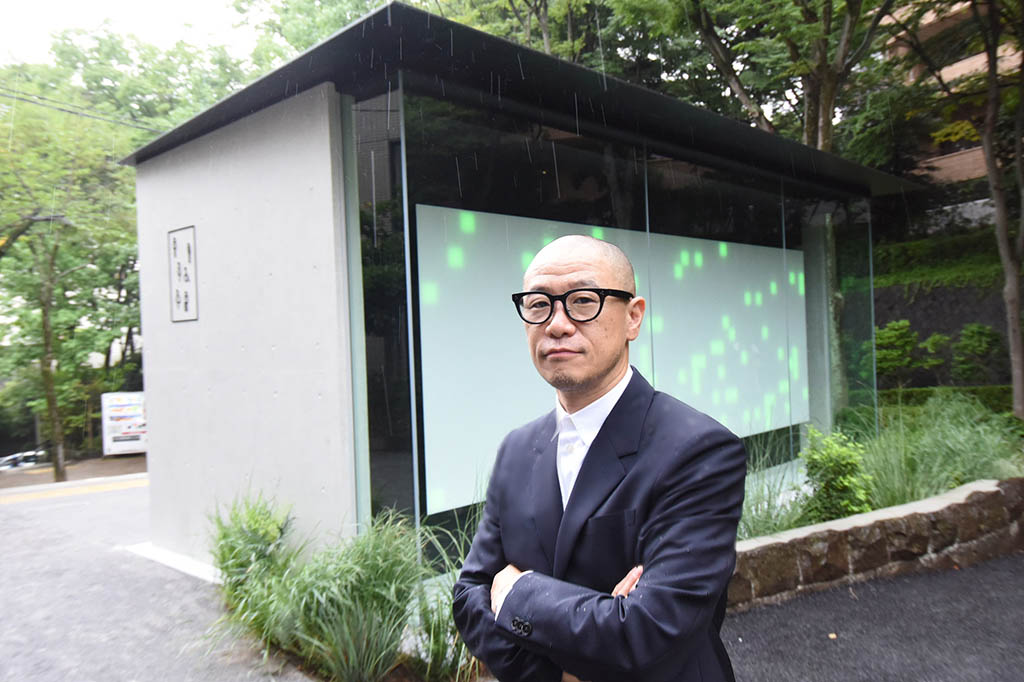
x,y
971,523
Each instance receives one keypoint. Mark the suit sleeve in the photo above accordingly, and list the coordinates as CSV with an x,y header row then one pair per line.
x,y
471,608
687,548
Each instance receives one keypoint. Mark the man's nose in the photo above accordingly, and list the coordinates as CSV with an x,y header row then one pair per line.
x,y
560,323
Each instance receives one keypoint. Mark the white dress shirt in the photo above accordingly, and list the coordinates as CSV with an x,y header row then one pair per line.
x,y
576,431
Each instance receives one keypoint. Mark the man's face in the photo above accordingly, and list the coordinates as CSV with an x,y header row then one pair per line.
x,y
583,360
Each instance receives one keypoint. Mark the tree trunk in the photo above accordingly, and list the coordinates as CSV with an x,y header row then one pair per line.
x,y
1008,256
827,93
545,28
812,110
49,385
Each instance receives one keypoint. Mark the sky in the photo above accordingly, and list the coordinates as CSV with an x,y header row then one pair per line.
x,y
25,32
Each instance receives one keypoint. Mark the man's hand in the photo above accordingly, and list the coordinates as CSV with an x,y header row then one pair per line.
x,y
501,584
566,677
628,584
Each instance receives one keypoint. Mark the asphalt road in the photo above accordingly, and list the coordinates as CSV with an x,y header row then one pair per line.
x,y
958,626
75,606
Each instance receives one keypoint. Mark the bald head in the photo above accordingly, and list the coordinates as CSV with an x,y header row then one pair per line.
x,y
585,249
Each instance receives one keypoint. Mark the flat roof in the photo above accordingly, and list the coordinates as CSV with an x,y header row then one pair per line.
x,y
366,56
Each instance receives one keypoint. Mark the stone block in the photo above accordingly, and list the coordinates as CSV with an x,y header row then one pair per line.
x,y
998,543
868,548
822,557
943,530
772,569
908,537
898,568
740,590
1013,497
991,508
937,562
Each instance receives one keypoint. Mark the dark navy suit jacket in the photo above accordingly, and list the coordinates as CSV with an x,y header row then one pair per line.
x,y
662,486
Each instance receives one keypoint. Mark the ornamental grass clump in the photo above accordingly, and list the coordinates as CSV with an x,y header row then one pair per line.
x,y
950,440
439,653
772,501
835,472
250,548
349,609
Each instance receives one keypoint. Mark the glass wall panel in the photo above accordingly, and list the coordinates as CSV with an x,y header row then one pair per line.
x,y
735,344
741,274
486,192
382,227
835,233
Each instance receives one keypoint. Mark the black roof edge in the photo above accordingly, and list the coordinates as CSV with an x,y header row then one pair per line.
x,y
407,38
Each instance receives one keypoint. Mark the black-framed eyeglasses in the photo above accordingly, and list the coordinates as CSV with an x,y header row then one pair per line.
x,y
581,305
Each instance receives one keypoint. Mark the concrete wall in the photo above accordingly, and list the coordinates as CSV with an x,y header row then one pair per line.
x,y
254,396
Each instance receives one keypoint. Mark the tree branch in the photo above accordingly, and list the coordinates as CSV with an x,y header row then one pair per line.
x,y
869,36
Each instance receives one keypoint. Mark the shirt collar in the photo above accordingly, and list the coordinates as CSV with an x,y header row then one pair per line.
x,y
589,420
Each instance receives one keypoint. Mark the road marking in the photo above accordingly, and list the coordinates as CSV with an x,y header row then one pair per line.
x,y
14,498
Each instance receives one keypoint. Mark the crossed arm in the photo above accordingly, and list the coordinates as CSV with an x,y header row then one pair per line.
x,y
507,577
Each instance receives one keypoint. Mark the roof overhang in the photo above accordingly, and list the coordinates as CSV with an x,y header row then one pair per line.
x,y
366,57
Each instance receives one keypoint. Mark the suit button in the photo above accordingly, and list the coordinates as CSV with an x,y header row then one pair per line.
x,y
526,628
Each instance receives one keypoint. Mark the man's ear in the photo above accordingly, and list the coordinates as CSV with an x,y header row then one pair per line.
x,y
635,309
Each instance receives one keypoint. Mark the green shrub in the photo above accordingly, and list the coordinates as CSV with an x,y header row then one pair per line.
x,y
977,353
249,546
895,356
934,351
835,471
997,398
346,610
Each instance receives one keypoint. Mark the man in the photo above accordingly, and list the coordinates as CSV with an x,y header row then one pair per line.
x,y
608,534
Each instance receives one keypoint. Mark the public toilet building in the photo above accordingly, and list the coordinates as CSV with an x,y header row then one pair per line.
x,y
328,257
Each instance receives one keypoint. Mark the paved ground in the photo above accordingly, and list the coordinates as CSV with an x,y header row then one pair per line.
x,y
955,626
76,606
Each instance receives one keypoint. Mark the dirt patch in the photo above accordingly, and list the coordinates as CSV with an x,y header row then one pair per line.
x,y
115,465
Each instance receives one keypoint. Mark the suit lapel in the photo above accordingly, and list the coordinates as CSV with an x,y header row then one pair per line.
x,y
602,469
542,489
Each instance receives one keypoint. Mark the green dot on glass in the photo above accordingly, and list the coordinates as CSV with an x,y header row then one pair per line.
x,y
467,222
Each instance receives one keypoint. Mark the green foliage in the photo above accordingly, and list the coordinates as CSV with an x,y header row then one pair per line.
x,y
772,500
345,609
835,471
995,398
895,352
249,547
934,350
978,350
440,654
952,260
950,440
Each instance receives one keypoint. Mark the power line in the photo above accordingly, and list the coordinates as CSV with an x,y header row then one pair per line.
x,y
78,113
55,101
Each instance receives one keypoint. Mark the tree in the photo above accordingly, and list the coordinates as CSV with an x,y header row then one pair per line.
x,y
68,275
779,55
987,106
64,278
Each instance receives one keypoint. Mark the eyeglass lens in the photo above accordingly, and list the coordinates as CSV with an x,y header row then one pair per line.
x,y
581,306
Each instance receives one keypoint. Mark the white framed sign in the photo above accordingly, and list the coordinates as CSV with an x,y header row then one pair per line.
x,y
124,422
181,254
